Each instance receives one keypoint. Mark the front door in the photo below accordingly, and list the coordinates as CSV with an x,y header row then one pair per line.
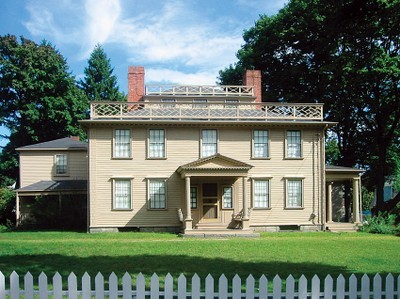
x,y
210,207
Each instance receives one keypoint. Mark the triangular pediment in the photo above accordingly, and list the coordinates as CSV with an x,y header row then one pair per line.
x,y
215,162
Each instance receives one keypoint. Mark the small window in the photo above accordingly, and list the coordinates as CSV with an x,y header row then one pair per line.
x,y
294,193
193,197
260,144
157,194
227,198
61,163
208,143
122,143
261,193
170,101
200,103
231,103
122,194
293,144
156,143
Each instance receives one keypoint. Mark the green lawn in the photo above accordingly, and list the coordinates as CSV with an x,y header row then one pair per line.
x,y
273,253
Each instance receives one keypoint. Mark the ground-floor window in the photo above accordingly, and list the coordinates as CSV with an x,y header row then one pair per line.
x,y
227,198
122,194
193,197
157,193
261,193
294,193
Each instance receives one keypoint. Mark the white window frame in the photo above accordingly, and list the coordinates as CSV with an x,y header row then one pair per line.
x,y
268,193
171,101
288,154
202,143
254,156
291,206
231,103
149,145
115,182
56,165
116,154
149,194
200,103
194,202
223,198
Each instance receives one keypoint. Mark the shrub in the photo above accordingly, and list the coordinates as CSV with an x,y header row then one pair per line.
x,y
7,206
383,223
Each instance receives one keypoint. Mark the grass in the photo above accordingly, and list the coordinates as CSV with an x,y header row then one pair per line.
x,y
273,253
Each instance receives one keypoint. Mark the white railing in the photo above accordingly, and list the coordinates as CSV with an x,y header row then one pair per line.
x,y
194,287
206,111
200,90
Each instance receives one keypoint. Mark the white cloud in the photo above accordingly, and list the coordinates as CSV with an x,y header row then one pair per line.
x,y
179,77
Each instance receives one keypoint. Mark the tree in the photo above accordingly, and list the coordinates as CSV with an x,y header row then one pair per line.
x,y
345,54
39,98
99,83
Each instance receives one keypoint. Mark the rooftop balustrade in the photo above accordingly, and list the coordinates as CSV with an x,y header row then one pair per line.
x,y
200,90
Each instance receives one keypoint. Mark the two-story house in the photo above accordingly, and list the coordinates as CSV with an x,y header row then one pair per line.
x,y
208,157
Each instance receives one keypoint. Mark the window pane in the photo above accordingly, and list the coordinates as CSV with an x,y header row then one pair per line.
x,y
157,194
261,193
122,194
228,201
209,143
193,197
156,144
122,147
294,193
232,103
61,164
260,144
199,103
293,144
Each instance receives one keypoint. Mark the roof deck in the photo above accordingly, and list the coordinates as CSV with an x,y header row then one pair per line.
x,y
207,111
200,90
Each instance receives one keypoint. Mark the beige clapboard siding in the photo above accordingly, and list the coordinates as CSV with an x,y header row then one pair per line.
x,y
183,146
38,166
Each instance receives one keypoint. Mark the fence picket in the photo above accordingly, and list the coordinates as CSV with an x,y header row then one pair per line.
x,y
154,286
389,289
236,287
223,287
28,286
99,286
209,287
14,285
57,286
365,287
340,287
169,287
127,286
352,287
2,286
140,286
182,286
86,286
290,287
72,286
250,284
398,286
277,289
196,285
315,287
43,291
302,287
263,287
113,286
377,287
328,287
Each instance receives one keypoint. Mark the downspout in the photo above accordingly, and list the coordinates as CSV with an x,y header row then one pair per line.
x,y
323,180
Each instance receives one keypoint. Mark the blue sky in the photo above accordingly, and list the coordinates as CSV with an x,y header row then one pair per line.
x,y
177,41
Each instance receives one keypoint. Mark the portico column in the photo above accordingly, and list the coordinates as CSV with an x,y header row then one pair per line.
x,y
356,200
188,219
329,203
245,219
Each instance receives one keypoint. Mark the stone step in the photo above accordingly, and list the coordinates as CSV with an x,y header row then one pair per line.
x,y
341,227
219,233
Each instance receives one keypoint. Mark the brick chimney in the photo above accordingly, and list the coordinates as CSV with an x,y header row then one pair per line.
x,y
253,78
135,83
76,138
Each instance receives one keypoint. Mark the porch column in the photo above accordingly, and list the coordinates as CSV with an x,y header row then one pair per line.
x,y
329,202
245,219
188,219
17,210
356,200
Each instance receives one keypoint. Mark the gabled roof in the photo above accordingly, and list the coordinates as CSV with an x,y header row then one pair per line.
x,y
56,186
213,163
66,143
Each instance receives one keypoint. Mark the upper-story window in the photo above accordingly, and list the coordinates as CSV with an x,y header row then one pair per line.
x,y
199,103
260,144
156,139
209,143
231,103
171,103
293,144
61,164
122,143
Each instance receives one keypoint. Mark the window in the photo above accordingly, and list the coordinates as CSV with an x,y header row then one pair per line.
x,y
293,147
294,193
193,197
231,103
200,103
227,198
208,143
122,194
261,193
61,162
157,194
171,101
260,144
122,143
156,143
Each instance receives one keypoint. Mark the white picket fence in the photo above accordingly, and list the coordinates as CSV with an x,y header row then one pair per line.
x,y
166,287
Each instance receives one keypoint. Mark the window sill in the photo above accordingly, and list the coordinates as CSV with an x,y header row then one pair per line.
x,y
294,208
61,175
121,158
122,210
162,158
149,209
261,209
294,158
227,209
260,158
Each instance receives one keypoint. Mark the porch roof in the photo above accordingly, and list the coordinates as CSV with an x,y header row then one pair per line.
x,y
335,173
45,187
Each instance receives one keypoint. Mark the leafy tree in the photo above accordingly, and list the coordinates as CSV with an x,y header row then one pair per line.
x,y
345,54
39,98
99,83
